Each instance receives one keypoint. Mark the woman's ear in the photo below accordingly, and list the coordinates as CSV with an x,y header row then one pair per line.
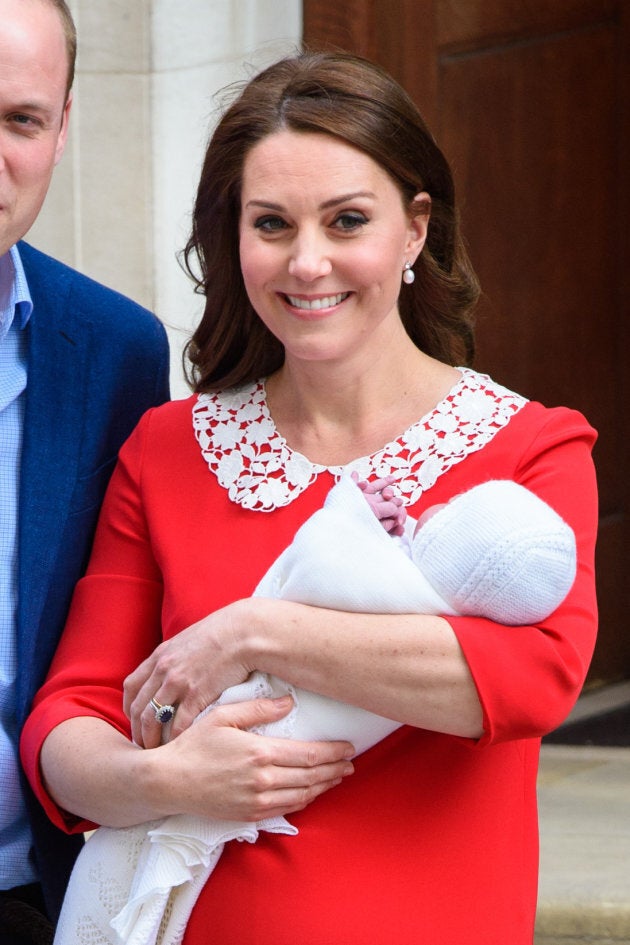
x,y
419,216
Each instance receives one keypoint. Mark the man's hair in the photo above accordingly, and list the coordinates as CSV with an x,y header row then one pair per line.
x,y
70,34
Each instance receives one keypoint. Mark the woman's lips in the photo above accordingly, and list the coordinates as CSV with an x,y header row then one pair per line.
x,y
316,304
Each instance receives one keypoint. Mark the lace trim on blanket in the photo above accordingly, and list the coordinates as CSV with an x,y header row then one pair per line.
x,y
261,472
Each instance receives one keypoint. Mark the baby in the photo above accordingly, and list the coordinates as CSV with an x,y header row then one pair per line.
x,y
495,551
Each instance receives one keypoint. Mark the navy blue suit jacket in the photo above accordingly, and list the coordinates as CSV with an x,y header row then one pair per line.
x,y
97,362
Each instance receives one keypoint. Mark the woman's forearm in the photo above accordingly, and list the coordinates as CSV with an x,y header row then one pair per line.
x,y
216,768
406,667
409,668
93,772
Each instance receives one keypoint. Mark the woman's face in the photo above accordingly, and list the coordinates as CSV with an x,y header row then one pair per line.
x,y
324,237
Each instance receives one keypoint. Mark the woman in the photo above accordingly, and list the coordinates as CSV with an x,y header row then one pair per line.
x,y
338,300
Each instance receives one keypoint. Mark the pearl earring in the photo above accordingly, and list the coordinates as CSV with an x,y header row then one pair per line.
x,y
408,275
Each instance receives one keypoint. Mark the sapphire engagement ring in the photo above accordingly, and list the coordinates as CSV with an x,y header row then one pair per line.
x,y
163,713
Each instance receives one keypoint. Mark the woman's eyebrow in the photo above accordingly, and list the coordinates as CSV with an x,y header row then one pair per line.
x,y
326,205
344,198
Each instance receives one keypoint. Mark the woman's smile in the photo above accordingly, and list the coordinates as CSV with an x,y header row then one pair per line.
x,y
315,304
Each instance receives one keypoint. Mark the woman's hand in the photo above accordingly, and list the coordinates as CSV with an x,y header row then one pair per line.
x,y
188,671
216,768
250,777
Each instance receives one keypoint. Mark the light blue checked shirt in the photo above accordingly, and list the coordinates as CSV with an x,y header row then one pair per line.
x,y
16,867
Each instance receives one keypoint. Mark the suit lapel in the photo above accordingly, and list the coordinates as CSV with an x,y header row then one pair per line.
x,y
57,369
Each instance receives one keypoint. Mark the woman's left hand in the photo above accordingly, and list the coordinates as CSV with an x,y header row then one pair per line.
x,y
189,671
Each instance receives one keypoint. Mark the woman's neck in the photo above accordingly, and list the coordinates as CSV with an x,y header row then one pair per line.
x,y
333,414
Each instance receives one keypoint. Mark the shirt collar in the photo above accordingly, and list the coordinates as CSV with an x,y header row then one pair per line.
x,y
16,304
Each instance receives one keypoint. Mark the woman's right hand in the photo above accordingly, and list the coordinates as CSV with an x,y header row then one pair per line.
x,y
216,768
225,771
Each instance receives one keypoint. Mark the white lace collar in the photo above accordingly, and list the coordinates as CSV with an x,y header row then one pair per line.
x,y
250,459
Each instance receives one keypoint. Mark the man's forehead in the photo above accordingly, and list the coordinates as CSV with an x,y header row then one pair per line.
x,y
33,52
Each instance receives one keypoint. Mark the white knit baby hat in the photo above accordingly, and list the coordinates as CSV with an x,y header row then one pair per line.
x,y
498,551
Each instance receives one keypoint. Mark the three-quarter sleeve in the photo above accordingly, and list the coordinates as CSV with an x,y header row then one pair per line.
x,y
529,677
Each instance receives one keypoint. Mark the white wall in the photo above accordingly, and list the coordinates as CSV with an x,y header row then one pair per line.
x,y
147,76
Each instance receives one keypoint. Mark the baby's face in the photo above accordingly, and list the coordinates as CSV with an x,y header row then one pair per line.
x,y
426,515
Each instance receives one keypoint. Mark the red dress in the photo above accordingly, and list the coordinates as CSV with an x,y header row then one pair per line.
x,y
434,838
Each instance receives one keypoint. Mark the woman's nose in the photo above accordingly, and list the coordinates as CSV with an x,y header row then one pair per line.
x,y
309,259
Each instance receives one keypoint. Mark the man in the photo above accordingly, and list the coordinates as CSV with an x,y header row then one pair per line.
x,y
79,364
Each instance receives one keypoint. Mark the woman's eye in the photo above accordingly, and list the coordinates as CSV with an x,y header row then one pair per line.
x,y
350,221
270,224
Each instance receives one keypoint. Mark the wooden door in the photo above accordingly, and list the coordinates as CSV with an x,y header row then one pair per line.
x,y
529,101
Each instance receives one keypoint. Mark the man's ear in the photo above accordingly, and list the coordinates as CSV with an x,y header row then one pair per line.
x,y
63,130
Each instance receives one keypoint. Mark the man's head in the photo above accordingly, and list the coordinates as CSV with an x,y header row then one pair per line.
x,y
37,50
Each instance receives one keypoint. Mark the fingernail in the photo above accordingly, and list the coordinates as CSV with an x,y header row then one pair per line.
x,y
283,700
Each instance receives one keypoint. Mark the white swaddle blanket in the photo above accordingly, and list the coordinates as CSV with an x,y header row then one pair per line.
x,y
138,885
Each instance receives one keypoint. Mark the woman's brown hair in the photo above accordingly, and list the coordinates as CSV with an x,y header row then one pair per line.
x,y
356,101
